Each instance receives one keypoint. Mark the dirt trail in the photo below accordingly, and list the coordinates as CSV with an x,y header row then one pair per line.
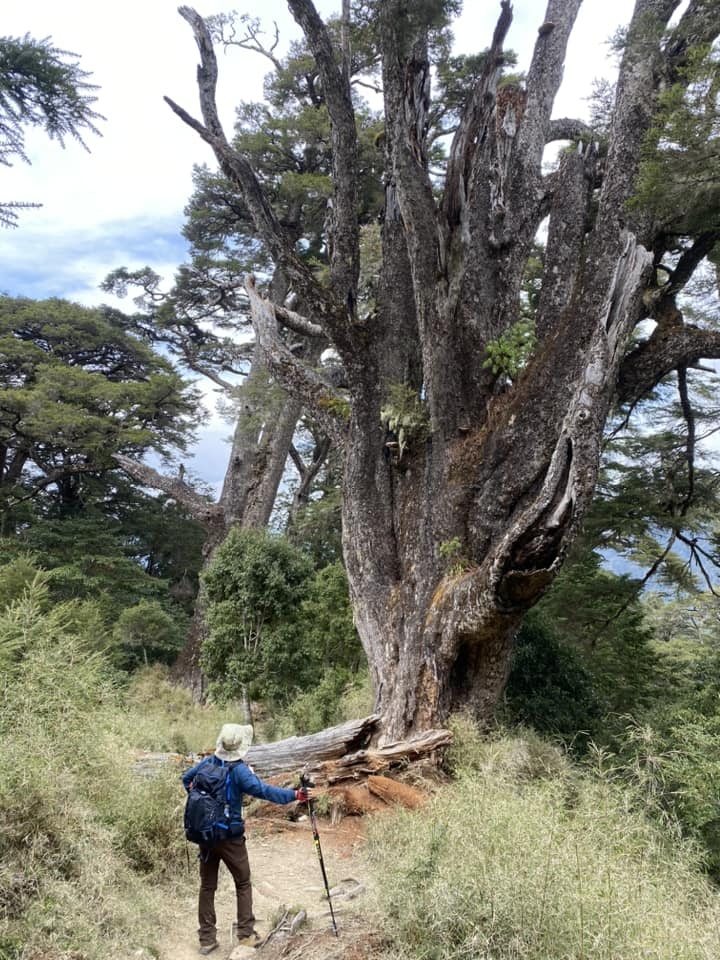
x,y
286,875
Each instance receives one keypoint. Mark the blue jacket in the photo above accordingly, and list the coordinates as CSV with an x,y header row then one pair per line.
x,y
242,780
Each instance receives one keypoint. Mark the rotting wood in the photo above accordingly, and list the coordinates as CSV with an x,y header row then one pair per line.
x,y
393,792
389,754
284,756
352,800
354,766
295,753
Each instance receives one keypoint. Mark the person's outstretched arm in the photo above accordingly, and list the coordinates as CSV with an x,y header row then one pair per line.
x,y
249,782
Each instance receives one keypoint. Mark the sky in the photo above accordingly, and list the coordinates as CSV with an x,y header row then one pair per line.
x,y
121,204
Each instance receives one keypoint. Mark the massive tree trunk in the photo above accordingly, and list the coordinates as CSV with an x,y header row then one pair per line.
x,y
455,528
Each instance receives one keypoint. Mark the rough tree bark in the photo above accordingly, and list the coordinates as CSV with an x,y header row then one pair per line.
x,y
501,473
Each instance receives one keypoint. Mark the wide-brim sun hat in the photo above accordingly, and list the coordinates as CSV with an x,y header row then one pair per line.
x,y
234,741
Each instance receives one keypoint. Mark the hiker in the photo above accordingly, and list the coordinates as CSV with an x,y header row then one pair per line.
x,y
232,744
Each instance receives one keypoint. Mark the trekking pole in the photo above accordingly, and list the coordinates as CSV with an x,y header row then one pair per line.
x,y
305,783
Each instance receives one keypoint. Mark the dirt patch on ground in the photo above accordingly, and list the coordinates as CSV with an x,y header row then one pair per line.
x,y
286,877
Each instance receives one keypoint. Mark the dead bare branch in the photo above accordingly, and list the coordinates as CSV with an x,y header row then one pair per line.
x,y
199,507
326,403
689,415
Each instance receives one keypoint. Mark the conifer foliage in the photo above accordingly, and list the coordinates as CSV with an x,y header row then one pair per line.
x,y
40,86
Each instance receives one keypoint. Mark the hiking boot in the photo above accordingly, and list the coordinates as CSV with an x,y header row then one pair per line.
x,y
206,948
251,940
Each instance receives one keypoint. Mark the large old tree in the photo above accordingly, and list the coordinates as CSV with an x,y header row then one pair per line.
x,y
466,480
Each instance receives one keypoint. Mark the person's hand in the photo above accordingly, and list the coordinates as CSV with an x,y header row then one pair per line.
x,y
303,795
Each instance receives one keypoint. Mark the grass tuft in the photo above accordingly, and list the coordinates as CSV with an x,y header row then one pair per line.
x,y
67,888
524,857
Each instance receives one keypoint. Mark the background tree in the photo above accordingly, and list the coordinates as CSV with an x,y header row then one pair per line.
x,y
40,86
144,634
77,387
204,318
507,469
255,582
277,628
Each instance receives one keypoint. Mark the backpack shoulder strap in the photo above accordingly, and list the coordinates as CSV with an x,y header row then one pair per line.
x,y
230,781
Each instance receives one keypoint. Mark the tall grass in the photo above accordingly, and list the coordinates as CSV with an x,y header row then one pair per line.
x,y
524,857
89,850
163,717
68,887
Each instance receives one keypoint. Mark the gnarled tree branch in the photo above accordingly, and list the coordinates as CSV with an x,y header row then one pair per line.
x,y
331,313
297,323
544,77
470,135
344,232
199,507
326,403
665,350
689,415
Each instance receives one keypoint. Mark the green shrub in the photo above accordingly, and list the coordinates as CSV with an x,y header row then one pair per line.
x,y
320,706
507,864
337,696
549,687
146,633
358,697
254,584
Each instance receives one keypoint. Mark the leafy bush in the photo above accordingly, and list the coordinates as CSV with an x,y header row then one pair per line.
x,y
550,688
326,621
255,583
597,613
320,706
336,697
510,353
107,595
146,633
276,626
358,698
506,864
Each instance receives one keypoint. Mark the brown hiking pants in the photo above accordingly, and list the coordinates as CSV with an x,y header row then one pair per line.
x,y
233,854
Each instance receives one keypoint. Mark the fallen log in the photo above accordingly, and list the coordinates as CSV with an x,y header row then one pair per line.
x,y
296,753
331,757
400,751
359,764
353,785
